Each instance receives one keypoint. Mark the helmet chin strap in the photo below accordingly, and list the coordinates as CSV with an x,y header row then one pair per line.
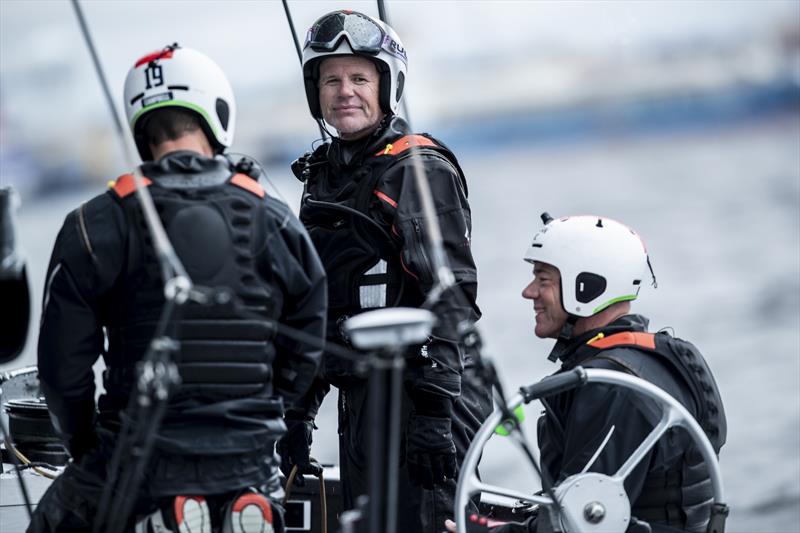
x,y
564,338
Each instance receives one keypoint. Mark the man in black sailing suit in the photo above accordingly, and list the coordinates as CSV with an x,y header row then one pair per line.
x,y
587,270
213,463
361,206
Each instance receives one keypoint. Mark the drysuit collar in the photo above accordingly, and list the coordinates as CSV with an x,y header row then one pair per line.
x,y
181,168
567,346
352,153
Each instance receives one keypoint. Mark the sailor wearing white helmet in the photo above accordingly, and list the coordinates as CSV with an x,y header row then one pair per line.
x,y
586,272
212,465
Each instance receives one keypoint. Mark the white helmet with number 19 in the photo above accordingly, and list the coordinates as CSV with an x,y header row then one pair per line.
x,y
180,77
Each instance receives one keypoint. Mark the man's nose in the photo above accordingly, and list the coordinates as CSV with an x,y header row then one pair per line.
x,y
346,88
529,292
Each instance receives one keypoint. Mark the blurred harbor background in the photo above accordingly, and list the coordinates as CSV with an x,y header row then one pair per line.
x,y
681,119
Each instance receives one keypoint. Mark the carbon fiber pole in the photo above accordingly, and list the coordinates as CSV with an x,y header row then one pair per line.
x,y
101,75
300,56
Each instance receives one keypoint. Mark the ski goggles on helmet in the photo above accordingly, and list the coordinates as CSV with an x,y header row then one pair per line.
x,y
363,34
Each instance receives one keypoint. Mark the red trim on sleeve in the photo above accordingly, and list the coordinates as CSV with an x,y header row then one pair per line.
x,y
402,264
385,198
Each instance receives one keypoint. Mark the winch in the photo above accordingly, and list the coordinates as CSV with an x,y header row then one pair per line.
x,y
33,433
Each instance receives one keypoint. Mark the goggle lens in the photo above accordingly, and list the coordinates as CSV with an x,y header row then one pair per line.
x,y
362,33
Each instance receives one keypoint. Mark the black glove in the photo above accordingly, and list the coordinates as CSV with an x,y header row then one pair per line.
x,y
430,451
294,448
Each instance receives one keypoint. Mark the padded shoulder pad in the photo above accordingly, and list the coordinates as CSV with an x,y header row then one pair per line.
x,y
249,184
125,185
404,143
625,338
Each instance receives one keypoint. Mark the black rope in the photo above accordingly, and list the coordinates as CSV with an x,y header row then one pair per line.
x,y
351,211
300,58
294,32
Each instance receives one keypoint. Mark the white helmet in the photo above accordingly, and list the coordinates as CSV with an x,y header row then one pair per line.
x,y
600,260
181,77
348,32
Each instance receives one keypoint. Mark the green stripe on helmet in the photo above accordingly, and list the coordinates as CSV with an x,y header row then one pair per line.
x,y
176,103
613,301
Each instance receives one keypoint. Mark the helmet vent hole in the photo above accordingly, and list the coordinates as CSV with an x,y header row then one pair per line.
x,y
599,223
223,113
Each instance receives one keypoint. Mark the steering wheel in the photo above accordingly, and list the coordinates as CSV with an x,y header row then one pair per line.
x,y
590,501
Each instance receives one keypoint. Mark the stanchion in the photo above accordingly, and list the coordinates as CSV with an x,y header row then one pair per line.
x,y
386,332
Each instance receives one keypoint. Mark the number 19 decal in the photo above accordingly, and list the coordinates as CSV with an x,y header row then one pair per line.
x,y
153,75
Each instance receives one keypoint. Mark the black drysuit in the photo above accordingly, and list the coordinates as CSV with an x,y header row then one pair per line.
x,y
362,208
104,295
670,488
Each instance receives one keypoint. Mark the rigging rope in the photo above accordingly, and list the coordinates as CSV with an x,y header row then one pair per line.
x,y
23,488
28,463
446,280
323,497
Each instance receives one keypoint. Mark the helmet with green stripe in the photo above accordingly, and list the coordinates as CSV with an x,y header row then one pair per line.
x,y
601,261
185,78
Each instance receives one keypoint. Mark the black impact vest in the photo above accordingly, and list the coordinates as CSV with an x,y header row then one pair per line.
x,y
216,232
680,496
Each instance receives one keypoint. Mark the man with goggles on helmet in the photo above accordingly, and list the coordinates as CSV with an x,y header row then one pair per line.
x,y
363,211
587,270
213,456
